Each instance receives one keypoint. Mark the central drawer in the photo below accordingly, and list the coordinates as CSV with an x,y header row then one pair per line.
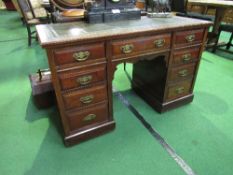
x,y
85,97
139,45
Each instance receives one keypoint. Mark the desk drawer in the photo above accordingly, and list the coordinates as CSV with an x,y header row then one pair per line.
x,y
135,46
185,38
181,72
81,78
78,54
186,56
85,97
178,90
89,116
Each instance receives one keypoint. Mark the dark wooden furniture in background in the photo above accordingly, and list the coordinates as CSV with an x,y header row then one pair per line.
x,y
9,5
225,28
180,7
207,9
83,58
30,19
220,6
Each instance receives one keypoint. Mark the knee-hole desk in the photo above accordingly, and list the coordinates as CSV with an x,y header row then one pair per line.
x,y
83,57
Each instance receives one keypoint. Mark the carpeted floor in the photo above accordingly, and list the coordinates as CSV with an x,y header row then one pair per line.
x,y
31,143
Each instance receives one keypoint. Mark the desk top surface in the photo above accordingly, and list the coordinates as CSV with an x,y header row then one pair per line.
x,y
53,34
216,3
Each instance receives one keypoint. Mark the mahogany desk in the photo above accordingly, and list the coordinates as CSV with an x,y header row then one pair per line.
x,y
83,57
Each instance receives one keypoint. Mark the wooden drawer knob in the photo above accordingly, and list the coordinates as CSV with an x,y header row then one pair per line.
x,y
190,38
159,42
84,80
180,90
183,73
87,99
187,57
89,117
128,48
81,56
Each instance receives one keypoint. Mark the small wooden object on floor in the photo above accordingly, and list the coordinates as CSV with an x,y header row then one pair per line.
x,y
42,89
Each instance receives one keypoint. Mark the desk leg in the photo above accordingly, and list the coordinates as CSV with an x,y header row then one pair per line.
x,y
218,18
212,36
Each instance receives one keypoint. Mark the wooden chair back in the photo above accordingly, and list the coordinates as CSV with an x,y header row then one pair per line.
x,y
25,10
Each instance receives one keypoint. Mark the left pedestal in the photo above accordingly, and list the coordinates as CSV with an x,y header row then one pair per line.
x,y
79,79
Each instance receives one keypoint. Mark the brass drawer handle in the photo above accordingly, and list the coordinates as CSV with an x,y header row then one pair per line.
x,y
187,57
81,56
159,42
87,99
190,38
128,48
180,90
183,73
89,117
84,80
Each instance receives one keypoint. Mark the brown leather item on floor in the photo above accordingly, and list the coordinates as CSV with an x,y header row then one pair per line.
x,y
42,89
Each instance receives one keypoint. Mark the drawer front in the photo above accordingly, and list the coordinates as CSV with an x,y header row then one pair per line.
x,y
186,56
85,97
181,72
185,38
79,54
135,46
89,116
178,90
77,78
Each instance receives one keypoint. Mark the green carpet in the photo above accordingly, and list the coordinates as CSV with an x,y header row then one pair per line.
x,y
31,143
11,26
200,132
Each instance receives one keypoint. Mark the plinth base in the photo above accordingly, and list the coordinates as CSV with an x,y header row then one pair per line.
x,y
89,133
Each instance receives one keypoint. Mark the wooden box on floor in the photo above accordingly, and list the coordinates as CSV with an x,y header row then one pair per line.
x,y
42,90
